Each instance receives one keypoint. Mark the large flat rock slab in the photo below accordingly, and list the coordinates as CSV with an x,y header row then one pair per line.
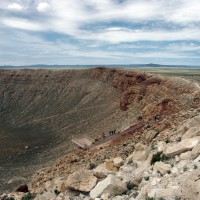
x,y
82,181
181,147
111,186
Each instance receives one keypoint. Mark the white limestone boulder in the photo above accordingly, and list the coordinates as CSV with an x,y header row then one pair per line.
x,y
181,147
82,181
162,167
140,153
195,151
112,186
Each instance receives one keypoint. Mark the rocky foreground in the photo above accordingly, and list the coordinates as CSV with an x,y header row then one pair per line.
x,y
165,169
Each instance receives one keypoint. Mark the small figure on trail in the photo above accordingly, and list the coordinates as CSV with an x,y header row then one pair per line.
x,y
103,135
157,118
112,132
86,147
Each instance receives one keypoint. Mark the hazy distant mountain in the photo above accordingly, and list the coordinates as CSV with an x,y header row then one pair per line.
x,y
149,65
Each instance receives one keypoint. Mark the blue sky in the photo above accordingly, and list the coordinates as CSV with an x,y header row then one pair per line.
x,y
99,32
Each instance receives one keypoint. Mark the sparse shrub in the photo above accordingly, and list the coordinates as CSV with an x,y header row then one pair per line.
x,y
153,147
185,169
96,139
135,194
196,99
194,106
148,126
130,186
91,166
161,198
177,198
167,140
139,117
57,192
149,198
130,161
158,157
8,198
140,98
159,173
4,197
195,166
146,178
28,196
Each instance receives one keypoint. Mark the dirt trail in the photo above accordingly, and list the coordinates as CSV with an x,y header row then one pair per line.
x,y
112,138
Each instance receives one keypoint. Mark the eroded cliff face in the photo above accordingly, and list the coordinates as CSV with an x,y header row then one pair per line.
x,y
152,94
43,109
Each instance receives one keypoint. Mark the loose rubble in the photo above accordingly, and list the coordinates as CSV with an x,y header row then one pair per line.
x,y
158,170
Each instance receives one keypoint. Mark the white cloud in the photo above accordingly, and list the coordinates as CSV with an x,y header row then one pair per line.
x,y
38,50
71,17
86,11
21,24
107,23
183,47
184,11
43,7
128,35
15,6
